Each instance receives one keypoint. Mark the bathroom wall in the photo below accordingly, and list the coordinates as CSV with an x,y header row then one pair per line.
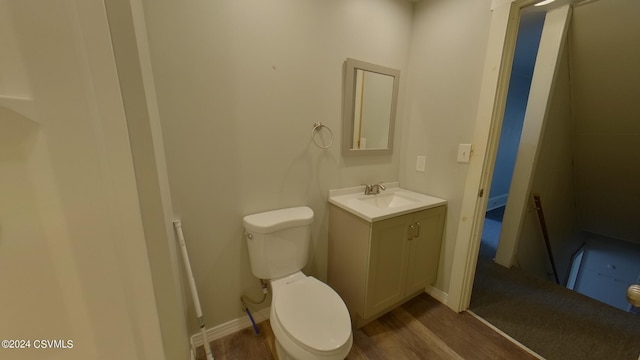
x,y
73,261
448,49
240,84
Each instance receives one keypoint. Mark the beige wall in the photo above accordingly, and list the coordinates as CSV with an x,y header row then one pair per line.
x,y
605,93
240,84
129,44
73,260
588,159
447,57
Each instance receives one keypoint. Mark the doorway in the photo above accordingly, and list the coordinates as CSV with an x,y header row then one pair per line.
x,y
582,208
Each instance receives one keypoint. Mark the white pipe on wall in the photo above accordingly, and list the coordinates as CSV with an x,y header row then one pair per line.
x,y
177,224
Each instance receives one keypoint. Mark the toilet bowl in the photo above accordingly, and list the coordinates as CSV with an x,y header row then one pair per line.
x,y
308,318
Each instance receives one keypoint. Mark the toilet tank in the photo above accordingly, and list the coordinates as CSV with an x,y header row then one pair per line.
x,y
278,241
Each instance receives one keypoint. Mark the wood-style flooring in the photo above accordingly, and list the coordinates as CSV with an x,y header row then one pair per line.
x,y
422,328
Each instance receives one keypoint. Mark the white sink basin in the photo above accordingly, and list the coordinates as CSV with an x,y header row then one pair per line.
x,y
387,200
389,203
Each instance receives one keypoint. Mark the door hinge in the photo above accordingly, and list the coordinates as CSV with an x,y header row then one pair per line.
x,y
481,193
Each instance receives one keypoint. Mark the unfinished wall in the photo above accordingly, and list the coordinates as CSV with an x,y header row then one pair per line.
x,y
587,168
554,181
605,92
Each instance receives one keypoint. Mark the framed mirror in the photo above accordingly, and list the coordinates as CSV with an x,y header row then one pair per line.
x,y
370,100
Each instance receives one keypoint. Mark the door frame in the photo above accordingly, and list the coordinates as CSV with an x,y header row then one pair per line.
x,y
492,102
505,19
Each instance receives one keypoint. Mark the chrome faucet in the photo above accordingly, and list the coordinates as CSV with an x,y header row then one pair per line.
x,y
373,189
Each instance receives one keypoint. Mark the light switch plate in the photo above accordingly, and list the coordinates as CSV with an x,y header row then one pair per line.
x,y
464,153
420,161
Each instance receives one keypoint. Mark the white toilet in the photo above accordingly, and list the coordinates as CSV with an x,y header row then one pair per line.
x,y
308,318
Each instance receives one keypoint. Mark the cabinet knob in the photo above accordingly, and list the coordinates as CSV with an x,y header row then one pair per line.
x,y
411,231
417,229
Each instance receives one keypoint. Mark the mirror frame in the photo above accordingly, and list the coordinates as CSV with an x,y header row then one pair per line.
x,y
349,91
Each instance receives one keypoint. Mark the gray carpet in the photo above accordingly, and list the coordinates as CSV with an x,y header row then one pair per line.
x,y
551,320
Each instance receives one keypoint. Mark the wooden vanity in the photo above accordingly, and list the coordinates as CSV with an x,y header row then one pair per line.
x,y
376,265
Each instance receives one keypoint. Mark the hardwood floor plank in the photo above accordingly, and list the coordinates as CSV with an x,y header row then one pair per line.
x,y
465,334
363,348
387,343
417,337
422,328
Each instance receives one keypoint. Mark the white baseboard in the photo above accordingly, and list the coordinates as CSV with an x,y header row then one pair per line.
x,y
497,201
437,294
230,327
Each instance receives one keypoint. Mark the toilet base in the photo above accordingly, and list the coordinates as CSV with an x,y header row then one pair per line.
x,y
281,352
286,347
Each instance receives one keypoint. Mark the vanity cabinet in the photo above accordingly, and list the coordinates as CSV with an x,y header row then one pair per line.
x,y
375,266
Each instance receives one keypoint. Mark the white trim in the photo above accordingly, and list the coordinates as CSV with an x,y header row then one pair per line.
x,y
437,294
230,327
505,335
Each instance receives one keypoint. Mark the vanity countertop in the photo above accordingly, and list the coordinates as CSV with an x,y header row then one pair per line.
x,y
391,202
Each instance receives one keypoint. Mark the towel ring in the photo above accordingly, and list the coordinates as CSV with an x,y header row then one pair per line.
x,y
316,127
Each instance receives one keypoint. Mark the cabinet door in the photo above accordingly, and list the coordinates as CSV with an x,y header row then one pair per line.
x,y
424,250
387,264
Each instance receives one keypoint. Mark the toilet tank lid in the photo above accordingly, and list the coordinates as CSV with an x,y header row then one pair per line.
x,y
270,221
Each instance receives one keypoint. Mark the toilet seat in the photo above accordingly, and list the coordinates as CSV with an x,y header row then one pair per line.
x,y
313,315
